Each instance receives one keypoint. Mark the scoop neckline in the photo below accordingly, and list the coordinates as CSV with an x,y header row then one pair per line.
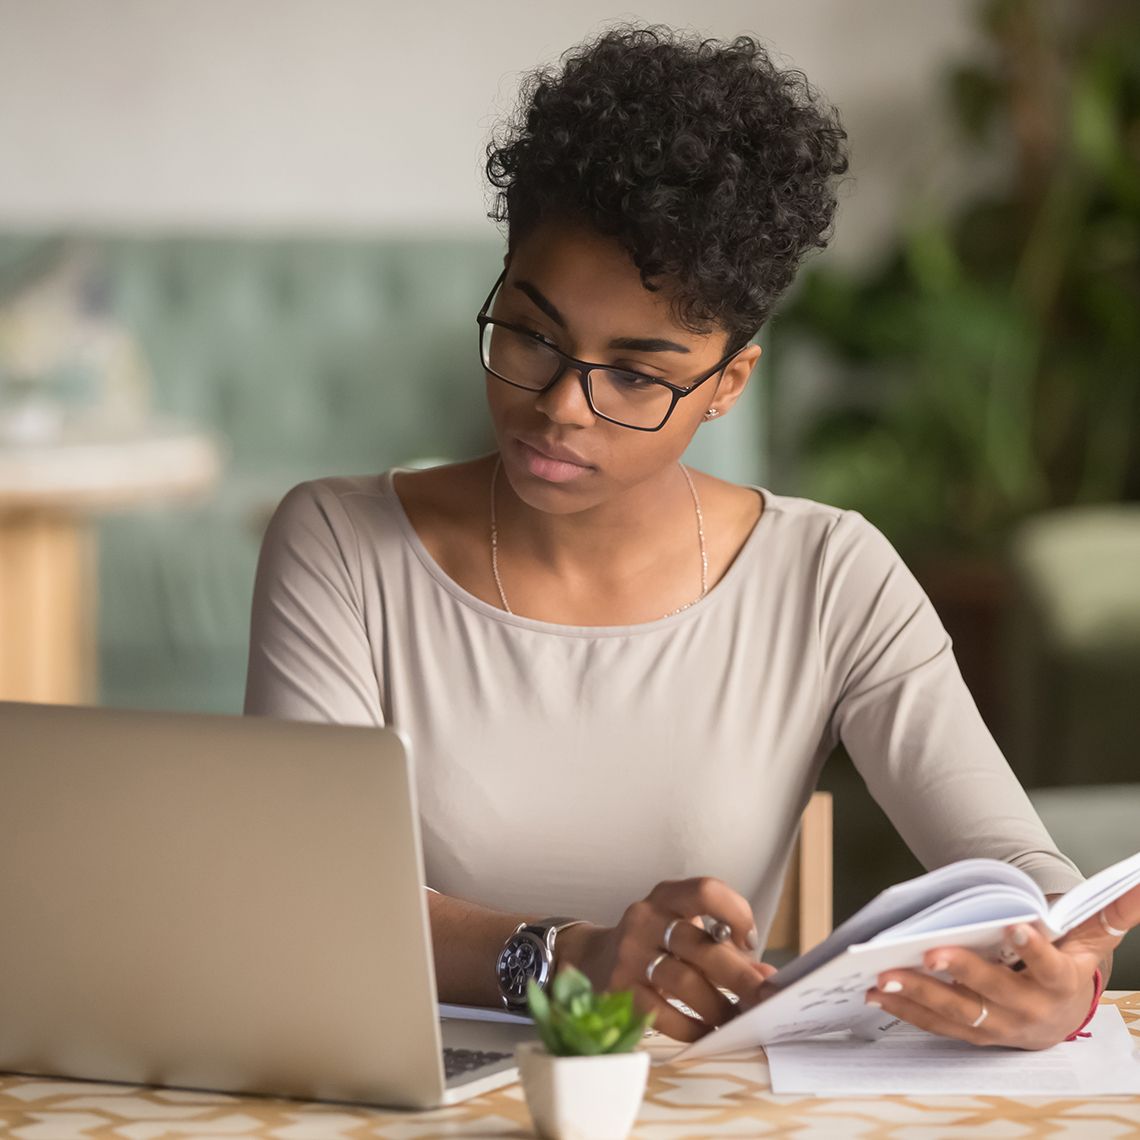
x,y
535,625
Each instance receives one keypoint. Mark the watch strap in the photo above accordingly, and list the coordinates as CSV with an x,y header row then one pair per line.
x,y
551,926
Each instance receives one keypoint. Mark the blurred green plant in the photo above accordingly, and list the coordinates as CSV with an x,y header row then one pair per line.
x,y
576,1022
993,359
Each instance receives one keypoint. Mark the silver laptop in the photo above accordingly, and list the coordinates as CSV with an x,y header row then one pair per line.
x,y
224,903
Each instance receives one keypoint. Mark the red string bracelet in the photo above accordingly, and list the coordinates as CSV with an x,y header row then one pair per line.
x,y
1098,989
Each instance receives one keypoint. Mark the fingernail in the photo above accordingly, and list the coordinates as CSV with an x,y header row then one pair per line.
x,y
752,939
892,987
871,1001
1020,935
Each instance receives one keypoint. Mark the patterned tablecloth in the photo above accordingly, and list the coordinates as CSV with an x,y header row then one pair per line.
x,y
723,1096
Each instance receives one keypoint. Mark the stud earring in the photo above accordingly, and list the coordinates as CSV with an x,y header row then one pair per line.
x,y
712,413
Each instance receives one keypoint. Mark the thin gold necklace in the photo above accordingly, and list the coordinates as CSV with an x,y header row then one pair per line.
x,y
700,539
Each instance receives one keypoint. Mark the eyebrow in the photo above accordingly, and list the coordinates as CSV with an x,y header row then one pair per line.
x,y
635,344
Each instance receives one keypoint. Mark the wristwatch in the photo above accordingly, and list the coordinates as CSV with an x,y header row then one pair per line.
x,y
527,954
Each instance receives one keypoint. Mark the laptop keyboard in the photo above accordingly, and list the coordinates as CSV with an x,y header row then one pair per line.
x,y
459,1061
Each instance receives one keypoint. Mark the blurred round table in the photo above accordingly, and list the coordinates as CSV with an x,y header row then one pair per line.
x,y
49,491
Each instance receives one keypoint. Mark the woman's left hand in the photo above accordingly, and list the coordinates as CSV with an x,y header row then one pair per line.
x,y
990,1004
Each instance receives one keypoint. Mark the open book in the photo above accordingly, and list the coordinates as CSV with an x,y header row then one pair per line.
x,y
968,904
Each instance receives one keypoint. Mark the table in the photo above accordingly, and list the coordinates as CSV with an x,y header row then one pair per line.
x,y
48,491
722,1096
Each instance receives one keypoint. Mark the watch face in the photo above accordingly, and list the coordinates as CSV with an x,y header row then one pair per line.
x,y
523,958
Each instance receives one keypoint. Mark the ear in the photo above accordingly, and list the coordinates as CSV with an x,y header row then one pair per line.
x,y
734,379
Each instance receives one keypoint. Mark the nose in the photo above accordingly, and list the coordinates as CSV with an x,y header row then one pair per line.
x,y
565,400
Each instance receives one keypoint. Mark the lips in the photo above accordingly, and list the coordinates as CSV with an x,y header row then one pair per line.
x,y
554,451
550,463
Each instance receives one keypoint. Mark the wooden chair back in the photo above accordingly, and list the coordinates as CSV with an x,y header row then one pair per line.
x,y
803,916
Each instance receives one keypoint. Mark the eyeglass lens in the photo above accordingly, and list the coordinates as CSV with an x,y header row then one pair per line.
x,y
528,363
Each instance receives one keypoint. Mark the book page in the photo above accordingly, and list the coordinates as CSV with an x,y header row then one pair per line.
x,y
1094,894
906,1060
995,903
908,898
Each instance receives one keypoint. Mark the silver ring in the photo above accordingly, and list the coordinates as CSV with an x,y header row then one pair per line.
x,y
981,1016
669,934
653,966
1109,927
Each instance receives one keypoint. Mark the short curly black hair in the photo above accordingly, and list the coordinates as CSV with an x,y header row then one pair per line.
x,y
714,168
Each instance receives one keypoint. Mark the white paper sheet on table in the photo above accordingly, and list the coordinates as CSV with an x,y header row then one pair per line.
x,y
907,1060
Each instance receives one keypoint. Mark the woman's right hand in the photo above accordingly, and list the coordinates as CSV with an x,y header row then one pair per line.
x,y
619,957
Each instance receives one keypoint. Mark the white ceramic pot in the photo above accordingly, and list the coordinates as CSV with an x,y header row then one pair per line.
x,y
582,1098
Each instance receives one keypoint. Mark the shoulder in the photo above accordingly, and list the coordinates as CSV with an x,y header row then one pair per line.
x,y
804,530
333,503
336,517
837,553
373,516
830,531
446,497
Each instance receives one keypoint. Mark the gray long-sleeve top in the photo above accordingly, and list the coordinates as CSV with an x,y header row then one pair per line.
x,y
566,770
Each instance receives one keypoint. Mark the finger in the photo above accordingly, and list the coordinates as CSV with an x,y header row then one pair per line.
x,y
933,1021
1124,912
998,984
690,898
673,978
1044,963
761,988
640,947
672,1022
721,963
672,923
953,1003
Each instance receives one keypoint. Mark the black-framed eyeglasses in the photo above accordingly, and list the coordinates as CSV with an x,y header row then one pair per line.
x,y
524,359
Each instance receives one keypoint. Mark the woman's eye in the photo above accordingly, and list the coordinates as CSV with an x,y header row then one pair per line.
x,y
638,379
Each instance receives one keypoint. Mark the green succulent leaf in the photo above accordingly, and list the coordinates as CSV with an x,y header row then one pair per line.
x,y
550,1038
575,1039
568,984
537,1002
628,1040
575,1021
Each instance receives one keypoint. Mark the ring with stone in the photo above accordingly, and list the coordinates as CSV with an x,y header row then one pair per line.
x,y
654,964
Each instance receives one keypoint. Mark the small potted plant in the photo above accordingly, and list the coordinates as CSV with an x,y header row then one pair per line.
x,y
583,1079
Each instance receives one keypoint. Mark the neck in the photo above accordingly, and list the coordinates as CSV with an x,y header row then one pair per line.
x,y
633,529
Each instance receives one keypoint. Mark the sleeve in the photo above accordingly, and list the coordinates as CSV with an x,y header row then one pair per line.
x,y
309,652
903,712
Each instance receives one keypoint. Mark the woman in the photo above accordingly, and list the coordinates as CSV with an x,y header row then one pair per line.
x,y
617,672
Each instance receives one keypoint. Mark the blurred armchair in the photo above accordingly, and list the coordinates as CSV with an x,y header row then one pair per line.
x,y
1074,646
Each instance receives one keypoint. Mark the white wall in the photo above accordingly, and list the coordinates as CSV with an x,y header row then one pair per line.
x,y
361,113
